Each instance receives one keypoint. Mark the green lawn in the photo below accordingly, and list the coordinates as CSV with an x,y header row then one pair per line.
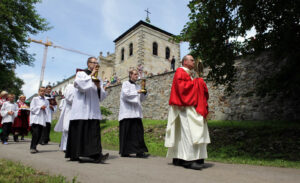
x,y
267,143
12,172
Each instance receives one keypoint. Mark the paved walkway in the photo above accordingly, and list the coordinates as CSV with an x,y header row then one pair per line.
x,y
153,169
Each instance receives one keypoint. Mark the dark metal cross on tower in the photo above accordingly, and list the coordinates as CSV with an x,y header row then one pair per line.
x,y
147,18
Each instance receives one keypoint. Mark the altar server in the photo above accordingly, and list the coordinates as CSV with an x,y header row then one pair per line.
x,y
9,112
38,118
64,118
131,130
84,139
51,109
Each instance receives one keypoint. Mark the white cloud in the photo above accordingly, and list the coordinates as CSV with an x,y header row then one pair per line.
x,y
111,18
184,49
31,85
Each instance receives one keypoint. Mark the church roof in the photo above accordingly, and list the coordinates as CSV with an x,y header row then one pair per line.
x,y
141,22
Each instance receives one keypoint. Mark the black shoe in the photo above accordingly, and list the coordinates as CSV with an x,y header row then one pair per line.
x,y
104,157
194,166
101,159
74,159
200,161
33,151
125,155
142,155
16,138
177,162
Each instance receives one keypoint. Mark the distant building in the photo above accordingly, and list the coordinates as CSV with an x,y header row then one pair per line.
x,y
143,45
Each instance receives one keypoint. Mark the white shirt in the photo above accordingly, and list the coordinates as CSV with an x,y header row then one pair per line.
x,y
65,107
86,101
130,101
38,115
50,111
2,102
6,107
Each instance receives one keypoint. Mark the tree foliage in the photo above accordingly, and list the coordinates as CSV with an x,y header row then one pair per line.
x,y
18,19
9,81
277,23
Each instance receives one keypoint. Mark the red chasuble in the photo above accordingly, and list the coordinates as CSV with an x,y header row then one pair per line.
x,y
188,92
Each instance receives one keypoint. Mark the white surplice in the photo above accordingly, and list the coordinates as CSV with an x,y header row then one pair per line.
x,y
86,101
59,125
130,101
65,108
187,133
49,110
6,107
38,115
65,115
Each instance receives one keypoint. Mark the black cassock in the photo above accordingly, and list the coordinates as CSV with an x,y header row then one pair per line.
x,y
84,138
131,136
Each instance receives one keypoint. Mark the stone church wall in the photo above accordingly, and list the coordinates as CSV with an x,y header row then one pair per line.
x,y
242,104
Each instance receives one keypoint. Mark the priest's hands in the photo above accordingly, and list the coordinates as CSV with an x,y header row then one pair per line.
x,y
43,107
51,107
10,112
95,70
141,91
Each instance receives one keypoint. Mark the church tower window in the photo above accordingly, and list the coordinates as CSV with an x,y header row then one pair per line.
x,y
167,52
130,49
154,45
122,54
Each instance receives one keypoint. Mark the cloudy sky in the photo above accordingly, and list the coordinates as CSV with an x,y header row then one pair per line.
x,y
90,26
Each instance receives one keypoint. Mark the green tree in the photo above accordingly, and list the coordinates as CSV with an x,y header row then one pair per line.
x,y
9,81
18,19
277,25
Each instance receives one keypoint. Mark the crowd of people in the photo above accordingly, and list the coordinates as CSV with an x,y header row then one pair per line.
x,y
186,136
14,117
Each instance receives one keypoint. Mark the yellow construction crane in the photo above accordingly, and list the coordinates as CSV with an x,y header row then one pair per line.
x,y
47,44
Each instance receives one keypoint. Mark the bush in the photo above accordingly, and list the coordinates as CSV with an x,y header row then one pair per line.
x,y
105,111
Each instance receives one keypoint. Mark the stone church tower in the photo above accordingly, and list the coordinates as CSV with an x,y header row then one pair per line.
x,y
142,44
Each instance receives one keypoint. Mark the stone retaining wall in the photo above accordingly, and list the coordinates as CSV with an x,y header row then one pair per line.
x,y
242,104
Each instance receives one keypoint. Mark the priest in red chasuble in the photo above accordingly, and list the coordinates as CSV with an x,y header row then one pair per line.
x,y
187,133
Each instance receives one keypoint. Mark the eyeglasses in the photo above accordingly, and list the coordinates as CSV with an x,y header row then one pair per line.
x,y
94,62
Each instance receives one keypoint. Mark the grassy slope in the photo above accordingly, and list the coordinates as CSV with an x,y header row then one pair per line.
x,y
15,172
268,143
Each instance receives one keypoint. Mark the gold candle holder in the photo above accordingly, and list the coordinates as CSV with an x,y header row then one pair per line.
x,y
143,86
95,76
